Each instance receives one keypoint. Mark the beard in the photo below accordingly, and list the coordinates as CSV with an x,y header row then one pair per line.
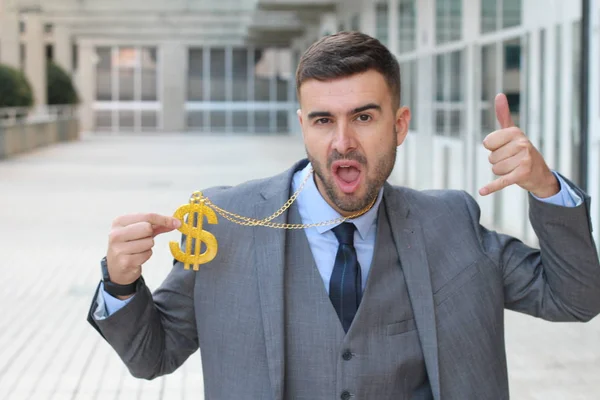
x,y
351,203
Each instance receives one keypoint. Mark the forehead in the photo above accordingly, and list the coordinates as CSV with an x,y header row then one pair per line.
x,y
344,93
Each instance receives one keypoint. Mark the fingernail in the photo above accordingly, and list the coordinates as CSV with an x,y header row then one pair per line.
x,y
176,223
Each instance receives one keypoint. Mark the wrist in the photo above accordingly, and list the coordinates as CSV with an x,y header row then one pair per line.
x,y
116,290
549,189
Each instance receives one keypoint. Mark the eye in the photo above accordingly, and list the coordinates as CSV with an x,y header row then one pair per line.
x,y
364,118
322,121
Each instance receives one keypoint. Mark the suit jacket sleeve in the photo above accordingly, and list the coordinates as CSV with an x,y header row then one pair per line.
x,y
561,280
154,334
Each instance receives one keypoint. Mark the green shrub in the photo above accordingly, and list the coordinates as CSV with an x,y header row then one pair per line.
x,y
60,86
15,90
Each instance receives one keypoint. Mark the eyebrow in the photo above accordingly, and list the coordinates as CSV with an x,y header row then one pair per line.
x,y
321,114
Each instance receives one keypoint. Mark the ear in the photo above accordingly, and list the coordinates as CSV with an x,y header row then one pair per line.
x,y
402,123
300,119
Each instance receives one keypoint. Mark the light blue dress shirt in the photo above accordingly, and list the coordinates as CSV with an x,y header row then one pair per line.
x,y
323,243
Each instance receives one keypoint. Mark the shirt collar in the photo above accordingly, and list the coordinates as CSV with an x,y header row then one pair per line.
x,y
318,210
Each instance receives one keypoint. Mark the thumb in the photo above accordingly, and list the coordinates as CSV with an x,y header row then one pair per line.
x,y
503,112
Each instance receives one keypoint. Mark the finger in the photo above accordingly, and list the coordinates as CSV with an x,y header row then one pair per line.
x,y
159,230
136,246
498,184
510,149
507,166
138,259
499,138
139,230
503,111
152,218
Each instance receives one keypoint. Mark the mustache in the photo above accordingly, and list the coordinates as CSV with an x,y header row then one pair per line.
x,y
351,156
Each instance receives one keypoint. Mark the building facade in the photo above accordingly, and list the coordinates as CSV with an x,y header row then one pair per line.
x,y
228,67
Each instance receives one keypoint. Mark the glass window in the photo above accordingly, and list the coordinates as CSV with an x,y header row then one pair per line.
x,y
407,29
239,120
239,74
408,89
217,75
262,122
499,14
104,74
489,15
511,78
195,74
450,92
262,72
149,68
283,65
149,120
355,22
448,20
511,13
488,88
381,22
126,62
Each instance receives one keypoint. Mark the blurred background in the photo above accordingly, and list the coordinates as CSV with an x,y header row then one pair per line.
x,y
110,107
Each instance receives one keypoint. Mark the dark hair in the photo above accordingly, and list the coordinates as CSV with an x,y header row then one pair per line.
x,y
347,53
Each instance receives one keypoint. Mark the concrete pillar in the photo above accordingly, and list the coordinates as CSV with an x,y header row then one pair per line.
x,y
393,32
329,23
173,93
35,57
9,37
368,19
86,84
63,48
426,68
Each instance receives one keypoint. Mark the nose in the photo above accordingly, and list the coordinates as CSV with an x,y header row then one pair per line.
x,y
344,140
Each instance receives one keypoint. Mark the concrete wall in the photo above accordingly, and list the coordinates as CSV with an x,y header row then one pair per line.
x,y
22,138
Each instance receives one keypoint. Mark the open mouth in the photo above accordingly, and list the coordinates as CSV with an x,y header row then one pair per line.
x,y
347,175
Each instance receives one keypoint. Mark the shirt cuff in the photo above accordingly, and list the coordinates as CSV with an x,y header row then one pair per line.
x,y
107,304
566,197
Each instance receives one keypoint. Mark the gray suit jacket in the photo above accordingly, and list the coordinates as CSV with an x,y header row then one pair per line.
x,y
460,278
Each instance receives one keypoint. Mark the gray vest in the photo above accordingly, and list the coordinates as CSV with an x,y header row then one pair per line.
x,y
379,358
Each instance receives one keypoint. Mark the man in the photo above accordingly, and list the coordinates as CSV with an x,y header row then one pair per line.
x,y
404,300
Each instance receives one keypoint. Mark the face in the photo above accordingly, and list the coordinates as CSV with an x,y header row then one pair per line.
x,y
351,132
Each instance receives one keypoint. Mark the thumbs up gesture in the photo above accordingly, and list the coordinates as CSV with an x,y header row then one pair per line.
x,y
514,158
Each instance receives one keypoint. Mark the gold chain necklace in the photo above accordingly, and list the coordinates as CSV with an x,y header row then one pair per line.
x,y
199,198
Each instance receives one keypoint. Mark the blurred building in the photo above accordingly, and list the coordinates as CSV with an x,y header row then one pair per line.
x,y
228,66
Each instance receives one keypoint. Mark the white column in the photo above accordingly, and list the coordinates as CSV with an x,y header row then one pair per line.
x,y
566,99
9,37
35,57
174,85
594,114
63,48
368,22
550,71
393,35
86,83
426,68
329,23
471,28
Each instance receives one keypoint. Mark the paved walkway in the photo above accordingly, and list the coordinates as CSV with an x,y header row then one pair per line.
x,y
56,206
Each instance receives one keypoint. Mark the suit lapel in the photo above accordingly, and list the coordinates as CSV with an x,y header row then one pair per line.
x,y
269,247
408,237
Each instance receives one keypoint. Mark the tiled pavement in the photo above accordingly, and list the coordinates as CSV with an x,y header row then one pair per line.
x,y
56,206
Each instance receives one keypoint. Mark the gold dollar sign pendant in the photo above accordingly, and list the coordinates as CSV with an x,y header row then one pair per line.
x,y
192,256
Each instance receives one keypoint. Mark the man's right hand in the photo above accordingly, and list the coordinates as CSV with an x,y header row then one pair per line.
x,y
130,244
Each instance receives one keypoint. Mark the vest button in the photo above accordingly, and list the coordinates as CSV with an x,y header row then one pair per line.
x,y
347,355
345,395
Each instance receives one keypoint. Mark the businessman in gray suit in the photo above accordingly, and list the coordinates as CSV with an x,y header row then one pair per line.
x,y
403,300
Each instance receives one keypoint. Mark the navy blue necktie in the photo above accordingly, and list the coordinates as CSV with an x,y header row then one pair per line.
x,y
345,286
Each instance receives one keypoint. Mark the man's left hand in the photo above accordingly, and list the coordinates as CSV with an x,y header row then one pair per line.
x,y
514,158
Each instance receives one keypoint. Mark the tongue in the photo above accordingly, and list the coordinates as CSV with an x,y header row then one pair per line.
x,y
349,174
